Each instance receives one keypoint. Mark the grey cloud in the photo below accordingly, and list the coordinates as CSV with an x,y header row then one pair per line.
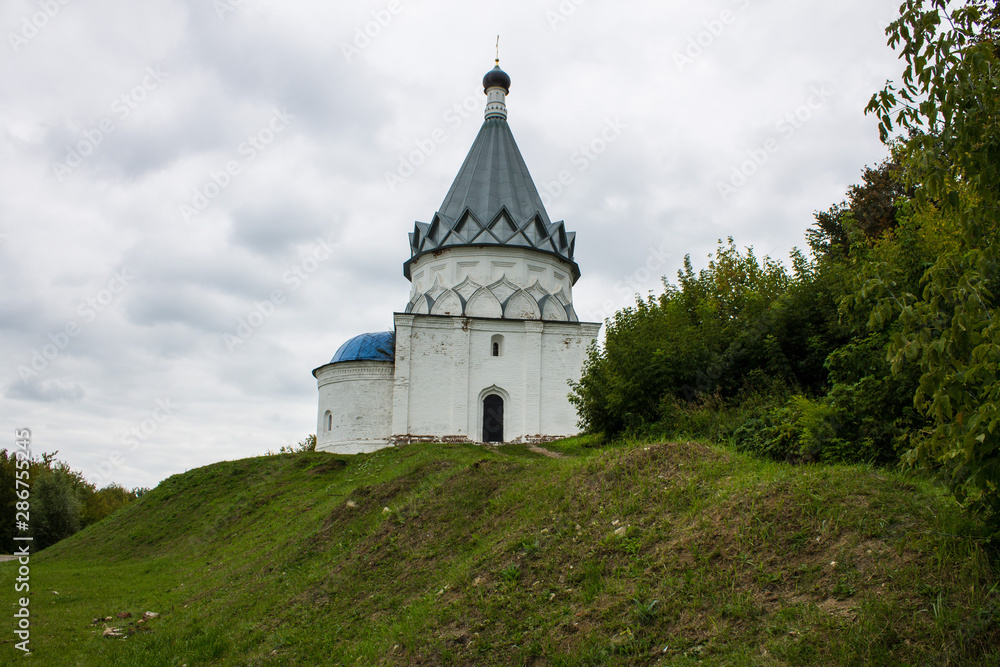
x,y
272,228
163,337
47,391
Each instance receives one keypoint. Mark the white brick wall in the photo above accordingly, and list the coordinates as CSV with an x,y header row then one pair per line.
x,y
358,396
444,365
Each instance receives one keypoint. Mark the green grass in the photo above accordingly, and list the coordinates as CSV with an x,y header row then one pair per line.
x,y
677,554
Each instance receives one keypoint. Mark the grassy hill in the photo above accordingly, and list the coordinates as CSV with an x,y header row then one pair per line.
x,y
674,553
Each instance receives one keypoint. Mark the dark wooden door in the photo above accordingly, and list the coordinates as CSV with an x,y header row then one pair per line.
x,y
493,419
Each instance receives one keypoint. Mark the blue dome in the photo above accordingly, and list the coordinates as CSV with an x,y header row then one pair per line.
x,y
379,346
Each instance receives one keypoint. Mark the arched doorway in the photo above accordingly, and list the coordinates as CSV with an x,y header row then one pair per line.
x,y
493,418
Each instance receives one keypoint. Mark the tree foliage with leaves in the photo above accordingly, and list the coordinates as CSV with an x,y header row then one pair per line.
x,y
871,209
720,331
306,445
61,500
884,346
55,507
949,102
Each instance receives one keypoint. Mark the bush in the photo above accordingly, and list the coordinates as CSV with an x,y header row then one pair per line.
x,y
703,340
307,445
767,435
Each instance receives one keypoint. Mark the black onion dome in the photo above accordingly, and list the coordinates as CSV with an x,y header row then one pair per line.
x,y
496,77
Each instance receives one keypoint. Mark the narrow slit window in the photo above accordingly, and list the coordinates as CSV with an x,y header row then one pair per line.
x,y
496,346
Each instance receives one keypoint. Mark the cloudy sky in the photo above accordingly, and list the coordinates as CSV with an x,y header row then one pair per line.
x,y
200,200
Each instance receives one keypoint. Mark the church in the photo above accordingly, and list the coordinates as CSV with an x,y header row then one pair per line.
x,y
487,345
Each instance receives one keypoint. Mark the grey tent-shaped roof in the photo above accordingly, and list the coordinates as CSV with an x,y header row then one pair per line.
x,y
493,201
494,175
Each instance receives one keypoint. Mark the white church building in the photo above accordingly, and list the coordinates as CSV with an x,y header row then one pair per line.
x,y
487,345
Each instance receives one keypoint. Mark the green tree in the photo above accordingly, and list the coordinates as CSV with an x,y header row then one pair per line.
x,y
103,502
949,102
649,349
61,501
8,499
55,507
719,329
871,209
